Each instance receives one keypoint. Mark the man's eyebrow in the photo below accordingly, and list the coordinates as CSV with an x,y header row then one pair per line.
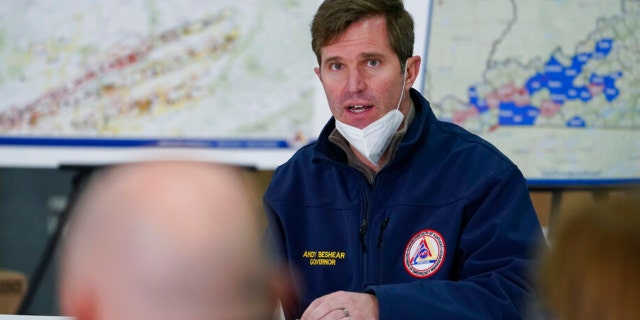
x,y
369,55
331,59
362,56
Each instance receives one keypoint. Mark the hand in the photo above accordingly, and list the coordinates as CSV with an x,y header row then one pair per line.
x,y
343,305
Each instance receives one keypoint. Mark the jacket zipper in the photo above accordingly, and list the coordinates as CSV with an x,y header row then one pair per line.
x,y
383,226
363,233
363,223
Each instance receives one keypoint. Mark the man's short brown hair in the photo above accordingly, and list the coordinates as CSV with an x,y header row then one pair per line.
x,y
335,16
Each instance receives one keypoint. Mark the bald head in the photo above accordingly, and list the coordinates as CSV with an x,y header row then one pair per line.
x,y
174,240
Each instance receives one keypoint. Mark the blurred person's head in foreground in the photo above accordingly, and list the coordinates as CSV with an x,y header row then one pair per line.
x,y
592,270
166,240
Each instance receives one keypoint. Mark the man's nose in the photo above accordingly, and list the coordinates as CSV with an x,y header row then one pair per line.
x,y
357,81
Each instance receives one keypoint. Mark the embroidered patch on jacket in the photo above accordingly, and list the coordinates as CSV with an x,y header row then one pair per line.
x,y
424,254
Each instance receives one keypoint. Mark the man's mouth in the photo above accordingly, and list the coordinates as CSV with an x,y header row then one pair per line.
x,y
358,108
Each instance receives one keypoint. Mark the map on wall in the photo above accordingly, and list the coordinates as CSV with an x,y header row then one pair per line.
x,y
156,72
553,84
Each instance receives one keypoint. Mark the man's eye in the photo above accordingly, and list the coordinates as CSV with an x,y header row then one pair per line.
x,y
373,63
335,66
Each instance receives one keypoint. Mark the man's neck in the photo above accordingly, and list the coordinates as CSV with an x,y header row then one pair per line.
x,y
374,167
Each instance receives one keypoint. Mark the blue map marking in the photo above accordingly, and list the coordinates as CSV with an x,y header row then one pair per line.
x,y
576,122
512,115
558,80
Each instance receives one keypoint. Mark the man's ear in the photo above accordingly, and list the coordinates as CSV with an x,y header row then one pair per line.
x,y
413,69
317,71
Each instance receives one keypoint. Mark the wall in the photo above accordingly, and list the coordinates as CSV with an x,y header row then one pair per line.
x,y
29,202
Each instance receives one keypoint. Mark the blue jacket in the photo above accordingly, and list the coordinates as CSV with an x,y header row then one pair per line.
x,y
446,231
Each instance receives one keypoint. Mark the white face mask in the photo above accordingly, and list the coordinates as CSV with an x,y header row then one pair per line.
x,y
372,140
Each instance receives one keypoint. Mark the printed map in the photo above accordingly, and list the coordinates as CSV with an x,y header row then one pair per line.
x,y
161,69
553,84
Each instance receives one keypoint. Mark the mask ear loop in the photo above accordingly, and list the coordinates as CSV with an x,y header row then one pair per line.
x,y
404,82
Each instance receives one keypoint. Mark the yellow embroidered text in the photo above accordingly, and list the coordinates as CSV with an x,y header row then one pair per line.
x,y
323,258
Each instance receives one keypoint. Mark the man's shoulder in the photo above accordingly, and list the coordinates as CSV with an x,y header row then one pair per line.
x,y
301,157
462,140
444,135
301,161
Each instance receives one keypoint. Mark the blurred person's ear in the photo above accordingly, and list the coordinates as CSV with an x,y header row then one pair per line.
x,y
79,305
